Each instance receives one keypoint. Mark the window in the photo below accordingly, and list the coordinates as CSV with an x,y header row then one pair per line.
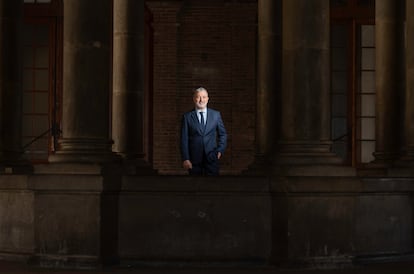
x,y
41,78
36,79
365,94
353,80
340,91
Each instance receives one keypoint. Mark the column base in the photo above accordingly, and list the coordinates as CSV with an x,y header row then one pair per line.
x,y
306,152
308,158
84,151
74,157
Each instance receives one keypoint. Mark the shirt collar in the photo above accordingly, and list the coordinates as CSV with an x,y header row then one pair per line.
x,y
201,110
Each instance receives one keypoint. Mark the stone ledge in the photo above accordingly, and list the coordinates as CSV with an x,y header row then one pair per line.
x,y
68,168
322,170
342,185
196,184
14,182
66,182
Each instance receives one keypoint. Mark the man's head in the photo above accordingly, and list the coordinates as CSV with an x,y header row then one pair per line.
x,y
200,98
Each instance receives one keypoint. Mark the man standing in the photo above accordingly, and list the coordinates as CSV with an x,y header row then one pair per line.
x,y
203,137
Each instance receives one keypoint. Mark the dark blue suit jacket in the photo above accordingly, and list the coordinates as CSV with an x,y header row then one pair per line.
x,y
196,142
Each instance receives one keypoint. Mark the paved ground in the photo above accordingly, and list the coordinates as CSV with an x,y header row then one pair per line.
x,y
380,268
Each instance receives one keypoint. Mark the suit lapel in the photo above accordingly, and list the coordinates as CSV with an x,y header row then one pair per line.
x,y
209,120
194,116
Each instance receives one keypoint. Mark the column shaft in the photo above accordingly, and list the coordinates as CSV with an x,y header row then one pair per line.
x,y
128,79
409,91
268,75
11,18
305,105
387,99
86,82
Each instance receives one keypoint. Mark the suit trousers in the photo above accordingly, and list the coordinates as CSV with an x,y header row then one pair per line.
x,y
208,166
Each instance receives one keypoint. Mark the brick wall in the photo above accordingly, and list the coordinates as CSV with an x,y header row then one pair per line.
x,y
210,44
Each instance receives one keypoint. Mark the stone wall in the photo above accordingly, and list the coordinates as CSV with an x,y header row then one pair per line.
x,y
99,216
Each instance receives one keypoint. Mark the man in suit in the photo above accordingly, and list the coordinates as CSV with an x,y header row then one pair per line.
x,y
203,137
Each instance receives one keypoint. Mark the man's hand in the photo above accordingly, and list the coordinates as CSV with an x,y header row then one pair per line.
x,y
187,165
218,155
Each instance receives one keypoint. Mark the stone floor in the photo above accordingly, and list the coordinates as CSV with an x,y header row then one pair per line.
x,y
379,268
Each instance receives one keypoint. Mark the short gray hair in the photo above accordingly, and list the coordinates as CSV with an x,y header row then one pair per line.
x,y
199,89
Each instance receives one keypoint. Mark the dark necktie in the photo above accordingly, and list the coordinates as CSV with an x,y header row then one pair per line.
x,y
202,118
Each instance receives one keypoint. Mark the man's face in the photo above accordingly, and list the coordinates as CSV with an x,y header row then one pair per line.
x,y
200,99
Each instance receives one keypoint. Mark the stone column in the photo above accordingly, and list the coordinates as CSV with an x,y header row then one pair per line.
x,y
268,80
409,90
387,99
305,105
11,19
86,82
128,81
